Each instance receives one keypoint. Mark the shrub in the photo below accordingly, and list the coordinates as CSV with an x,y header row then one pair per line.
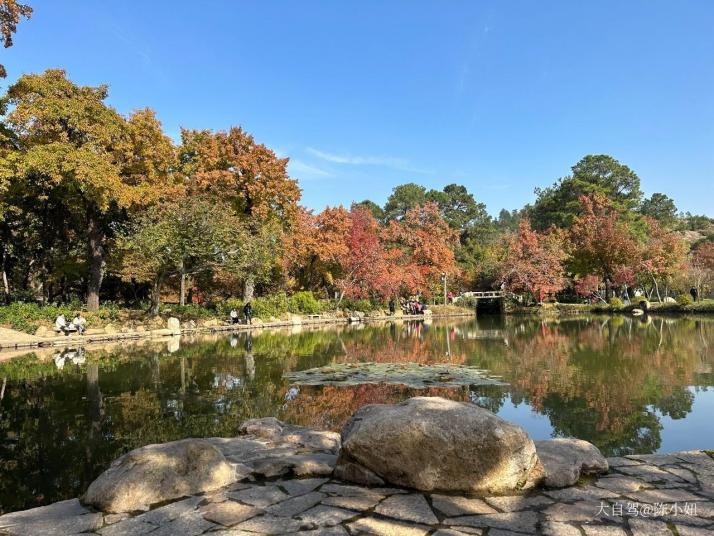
x,y
616,303
364,306
684,300
304,302
188,311
275,305
224,308
28,317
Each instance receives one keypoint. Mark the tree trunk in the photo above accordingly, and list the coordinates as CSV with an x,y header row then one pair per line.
x,y
659,298
189,294
156,295
6,287
96,261
182,287
248,289
5,284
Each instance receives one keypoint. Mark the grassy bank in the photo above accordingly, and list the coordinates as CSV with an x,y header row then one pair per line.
x,y
700,307
29,317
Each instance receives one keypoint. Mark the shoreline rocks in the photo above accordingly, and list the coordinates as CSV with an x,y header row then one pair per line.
x,y
158,473
431,443
268,493
566,460
423,443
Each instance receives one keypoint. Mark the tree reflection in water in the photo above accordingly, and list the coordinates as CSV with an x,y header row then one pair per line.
x,y
609,380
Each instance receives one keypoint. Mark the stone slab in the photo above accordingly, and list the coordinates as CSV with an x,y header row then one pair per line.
x,y
412,507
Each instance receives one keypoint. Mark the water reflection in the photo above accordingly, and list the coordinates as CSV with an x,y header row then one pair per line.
x,y
628,385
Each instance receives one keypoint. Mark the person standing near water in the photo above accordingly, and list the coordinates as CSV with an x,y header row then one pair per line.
x,y
694,292
248,313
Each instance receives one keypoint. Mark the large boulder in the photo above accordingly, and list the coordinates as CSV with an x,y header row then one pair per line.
x,y
431,443
565,460
157,473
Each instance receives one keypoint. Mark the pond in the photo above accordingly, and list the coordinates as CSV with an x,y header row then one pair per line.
x,y
628,385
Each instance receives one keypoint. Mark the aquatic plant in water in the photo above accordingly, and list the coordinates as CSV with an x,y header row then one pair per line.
x,y
412,375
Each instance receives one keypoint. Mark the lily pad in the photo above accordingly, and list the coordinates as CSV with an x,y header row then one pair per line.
x,y
412,375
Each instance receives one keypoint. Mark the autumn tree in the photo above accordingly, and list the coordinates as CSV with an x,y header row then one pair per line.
x,y
10,13
700,269
232,166
662,256
426,244
533,262
315,247
74,148
364,265
601,241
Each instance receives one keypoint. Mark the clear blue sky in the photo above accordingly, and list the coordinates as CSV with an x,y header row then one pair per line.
x,y
501,96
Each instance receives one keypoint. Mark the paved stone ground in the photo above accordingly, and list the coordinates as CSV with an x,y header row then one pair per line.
x,y
667,494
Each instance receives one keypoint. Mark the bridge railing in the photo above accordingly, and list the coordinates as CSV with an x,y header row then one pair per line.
x,y
488,294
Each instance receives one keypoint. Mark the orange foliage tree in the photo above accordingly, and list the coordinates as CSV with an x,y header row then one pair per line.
x,y
315,247
231,165
534,262
424,247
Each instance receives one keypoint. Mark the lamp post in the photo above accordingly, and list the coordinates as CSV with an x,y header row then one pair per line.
x,y
443,276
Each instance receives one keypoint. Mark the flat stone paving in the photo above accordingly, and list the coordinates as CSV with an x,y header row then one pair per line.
x,y
661,494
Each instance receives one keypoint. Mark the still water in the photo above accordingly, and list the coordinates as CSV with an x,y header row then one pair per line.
x,y
628,385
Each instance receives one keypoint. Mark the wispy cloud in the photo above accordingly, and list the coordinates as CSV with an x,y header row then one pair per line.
x,y
394,162
304,170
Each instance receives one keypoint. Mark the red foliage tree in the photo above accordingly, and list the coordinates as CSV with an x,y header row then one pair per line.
x,y
422,246
533,263
601,241
663,256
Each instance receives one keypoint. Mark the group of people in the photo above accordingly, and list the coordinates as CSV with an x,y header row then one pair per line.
x,y
412,306
247,314
77,325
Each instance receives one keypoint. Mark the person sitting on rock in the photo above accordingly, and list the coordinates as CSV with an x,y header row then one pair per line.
x,y
79,323
234,316
61,325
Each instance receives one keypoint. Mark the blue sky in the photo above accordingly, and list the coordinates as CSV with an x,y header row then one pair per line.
x,y
500,96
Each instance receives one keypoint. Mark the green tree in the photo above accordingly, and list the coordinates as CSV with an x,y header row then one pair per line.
x,y
459,208
508,221
661,208
374,208
600,175
183,238
404,198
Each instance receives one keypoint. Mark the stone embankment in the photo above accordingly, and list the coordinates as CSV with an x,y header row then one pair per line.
x,y
11,339
280,479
